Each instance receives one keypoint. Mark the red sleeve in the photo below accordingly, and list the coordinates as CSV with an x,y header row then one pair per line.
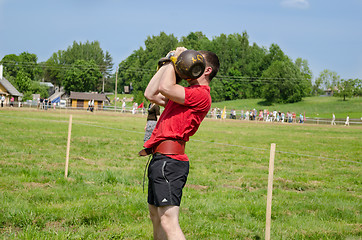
x,y
197,97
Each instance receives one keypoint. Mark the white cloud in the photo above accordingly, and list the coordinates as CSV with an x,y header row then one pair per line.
x,y
301,4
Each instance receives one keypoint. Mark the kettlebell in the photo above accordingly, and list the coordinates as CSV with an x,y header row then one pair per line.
x,y
190,65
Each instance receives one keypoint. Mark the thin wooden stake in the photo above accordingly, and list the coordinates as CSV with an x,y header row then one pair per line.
x,y
68,146
270,192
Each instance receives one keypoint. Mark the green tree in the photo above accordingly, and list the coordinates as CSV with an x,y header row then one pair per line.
x,y
141,65
106,69
25,62
283,82
22,81
274,54
193,41
58,63
35,87
11,65
346,88
217,90
55,67
21,70
233,85
28,62
357,91
82,76
328,79
307,75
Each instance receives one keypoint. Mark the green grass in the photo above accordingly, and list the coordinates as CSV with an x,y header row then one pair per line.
x,y
322,107
317,179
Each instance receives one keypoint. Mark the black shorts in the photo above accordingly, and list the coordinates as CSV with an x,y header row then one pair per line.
x,y
166,179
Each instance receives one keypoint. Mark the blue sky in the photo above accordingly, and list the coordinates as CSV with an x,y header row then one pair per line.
x,y
327,33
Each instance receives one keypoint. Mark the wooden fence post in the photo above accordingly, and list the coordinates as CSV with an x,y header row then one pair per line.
x,y
270,192
68,146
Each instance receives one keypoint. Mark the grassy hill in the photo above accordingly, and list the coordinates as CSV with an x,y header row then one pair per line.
x,y
312,106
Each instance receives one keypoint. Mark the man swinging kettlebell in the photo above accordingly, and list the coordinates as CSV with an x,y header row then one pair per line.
x,y
185,108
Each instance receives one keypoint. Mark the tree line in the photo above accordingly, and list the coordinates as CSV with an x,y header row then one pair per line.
x,y
82,67
247,70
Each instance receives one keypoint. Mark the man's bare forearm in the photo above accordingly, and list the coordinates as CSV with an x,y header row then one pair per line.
x,y
152,92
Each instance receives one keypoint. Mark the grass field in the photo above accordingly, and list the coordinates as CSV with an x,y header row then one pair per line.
x,y
317,179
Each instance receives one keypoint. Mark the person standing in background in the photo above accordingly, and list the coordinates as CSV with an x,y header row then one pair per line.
x,y
2,100
153,112
333,120
347,121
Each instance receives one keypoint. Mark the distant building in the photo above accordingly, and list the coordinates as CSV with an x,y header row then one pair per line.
x,y
81,99
59,94
7,89
330,91
50,87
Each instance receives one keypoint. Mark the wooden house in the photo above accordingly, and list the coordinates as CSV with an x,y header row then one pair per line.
x,y
80,100
8,90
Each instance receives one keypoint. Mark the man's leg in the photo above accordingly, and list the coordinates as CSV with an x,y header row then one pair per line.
x,y
169,216
158,232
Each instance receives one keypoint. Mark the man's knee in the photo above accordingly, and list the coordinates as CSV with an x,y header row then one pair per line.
x,y
154,215
169,217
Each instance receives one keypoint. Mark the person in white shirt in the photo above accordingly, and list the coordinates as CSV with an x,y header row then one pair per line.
x,y
347,121
333,120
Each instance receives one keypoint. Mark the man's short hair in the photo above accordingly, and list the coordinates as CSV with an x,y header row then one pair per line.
x,y
211,61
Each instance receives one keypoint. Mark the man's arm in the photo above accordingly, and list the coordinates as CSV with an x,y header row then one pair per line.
x,y
152,93
168,86
163,87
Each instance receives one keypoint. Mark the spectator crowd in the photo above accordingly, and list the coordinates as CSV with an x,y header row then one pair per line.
x,y
258,115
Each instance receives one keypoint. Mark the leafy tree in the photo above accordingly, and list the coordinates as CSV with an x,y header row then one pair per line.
x,y
194,41
25,62
217,90
141,65
56,65
82,76
233,85
307,74
22,81
28,62
55,68
274,54
357,91
106,69
348,88
11,65
35,87
328,79
283,82
22,70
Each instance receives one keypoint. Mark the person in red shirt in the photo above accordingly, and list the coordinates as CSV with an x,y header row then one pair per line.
x,y
185,108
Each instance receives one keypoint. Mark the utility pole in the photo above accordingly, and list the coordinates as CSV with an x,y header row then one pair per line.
x,y
115,92
103,85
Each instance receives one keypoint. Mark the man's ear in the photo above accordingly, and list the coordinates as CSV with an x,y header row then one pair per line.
x,y
208,71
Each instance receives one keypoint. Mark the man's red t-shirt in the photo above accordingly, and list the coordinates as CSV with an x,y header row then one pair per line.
x,y
182,121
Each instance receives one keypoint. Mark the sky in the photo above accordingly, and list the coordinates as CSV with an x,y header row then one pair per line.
x,y
326,33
